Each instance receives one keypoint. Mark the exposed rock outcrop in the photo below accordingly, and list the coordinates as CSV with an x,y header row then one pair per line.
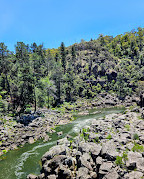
x,y
111,148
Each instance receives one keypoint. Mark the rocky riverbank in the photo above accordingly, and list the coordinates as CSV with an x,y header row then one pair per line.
x,y
15,134
110,148
31,127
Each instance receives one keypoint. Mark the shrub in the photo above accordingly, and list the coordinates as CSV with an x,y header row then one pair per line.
x,y
4,151
127,126
96,140
84,134
137,148
135,137
119,161
109,137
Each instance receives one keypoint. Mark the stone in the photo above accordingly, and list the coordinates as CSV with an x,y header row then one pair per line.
x,y
31,176
105,167
51,177
99,160
112,175
31,140
56,150
85,163
95,151
63,141
64,172
93,175
133,175
136,160
56,161
82,173
109,150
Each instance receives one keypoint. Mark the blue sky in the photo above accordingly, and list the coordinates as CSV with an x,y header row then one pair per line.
x,y
53,21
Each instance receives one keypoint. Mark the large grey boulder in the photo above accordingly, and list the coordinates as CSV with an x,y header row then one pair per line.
x,y
95,151
133,175
85,163
56,150
135,160
64,172
105,168
109,150
89,147
82,173
112,175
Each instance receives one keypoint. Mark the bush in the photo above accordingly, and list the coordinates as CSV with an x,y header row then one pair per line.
x,y
109,137
84,134
127,126
119,161
135,137
137,148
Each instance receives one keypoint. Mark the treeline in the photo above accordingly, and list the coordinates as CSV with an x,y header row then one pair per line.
x,y
35,76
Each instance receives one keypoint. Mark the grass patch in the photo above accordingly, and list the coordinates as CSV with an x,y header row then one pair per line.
x,y
127,126
121,160
135,137
84,134
137,148
109,137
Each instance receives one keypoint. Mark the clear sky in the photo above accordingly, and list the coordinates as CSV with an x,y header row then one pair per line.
x,y
53,21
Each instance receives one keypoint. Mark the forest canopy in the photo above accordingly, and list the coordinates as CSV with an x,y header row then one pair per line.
x,y
36,76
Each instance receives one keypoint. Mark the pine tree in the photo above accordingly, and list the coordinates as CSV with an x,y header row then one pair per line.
x,y
63,56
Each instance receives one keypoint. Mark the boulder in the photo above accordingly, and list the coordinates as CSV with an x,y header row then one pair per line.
x,y
64,172
51,177
82,173
135,160
133,175
31,176
112,175
56,150
105,168
31,140
109,150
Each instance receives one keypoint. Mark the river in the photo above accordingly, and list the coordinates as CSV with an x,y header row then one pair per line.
x,y
17,164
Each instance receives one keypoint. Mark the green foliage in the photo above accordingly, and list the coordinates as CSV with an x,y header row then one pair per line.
x,y
4,151
137,148
135,137
119,161
49,77
84,134
109,137
96,140
125,156
127,126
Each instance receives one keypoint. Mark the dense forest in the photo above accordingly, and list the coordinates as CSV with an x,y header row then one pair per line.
x,y
33,76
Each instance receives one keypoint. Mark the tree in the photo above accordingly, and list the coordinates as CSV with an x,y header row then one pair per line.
x,y
140,91
4,65
25,76
63,56
57,76
49,89
56,57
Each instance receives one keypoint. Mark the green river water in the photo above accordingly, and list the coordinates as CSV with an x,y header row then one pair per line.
x,y
17,164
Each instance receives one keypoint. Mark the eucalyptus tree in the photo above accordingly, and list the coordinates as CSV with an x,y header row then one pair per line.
x,y
49,89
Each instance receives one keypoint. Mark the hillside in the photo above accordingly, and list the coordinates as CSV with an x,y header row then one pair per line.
x,y
34,76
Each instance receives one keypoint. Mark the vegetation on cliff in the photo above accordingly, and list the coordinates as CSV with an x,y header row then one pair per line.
x,y
34,76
